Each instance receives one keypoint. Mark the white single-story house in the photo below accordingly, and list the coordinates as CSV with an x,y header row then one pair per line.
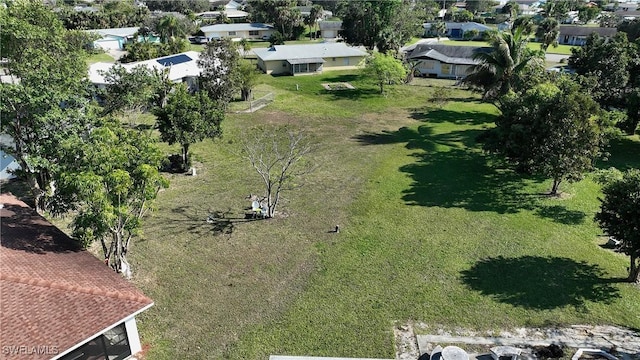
x,y
238,31
58,301
443,61
113,39
308,59
456,30
577,35
329,29
231,11
181,67
306,11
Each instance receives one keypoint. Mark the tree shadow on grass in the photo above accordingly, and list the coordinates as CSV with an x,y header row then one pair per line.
x,y
540,283
561,214
434,115
451,171
200,221
624,155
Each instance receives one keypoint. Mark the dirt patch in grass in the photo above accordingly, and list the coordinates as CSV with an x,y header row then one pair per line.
x,y
338,86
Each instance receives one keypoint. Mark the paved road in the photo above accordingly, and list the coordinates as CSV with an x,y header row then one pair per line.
x,y
556,57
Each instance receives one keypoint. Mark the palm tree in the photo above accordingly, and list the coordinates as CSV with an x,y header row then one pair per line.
x,y
500,68
547,32
168,27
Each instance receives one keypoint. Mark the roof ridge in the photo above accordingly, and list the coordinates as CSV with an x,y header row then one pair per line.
x,y
80,289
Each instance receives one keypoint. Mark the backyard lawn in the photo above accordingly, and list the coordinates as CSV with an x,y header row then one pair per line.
x,y
433,230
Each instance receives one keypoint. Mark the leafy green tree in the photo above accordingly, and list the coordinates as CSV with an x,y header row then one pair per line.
x,y
479,6
427,10
609,19
588,13
248,77
463,16
439,28
276,38
181,6
505,67
403,25
547,33
219,77
471,34
551,130
385,69
558,10
363,22
312,19
169,27
47,100
188,118
112,178
526,23
631,28
619,215
130,91
606,61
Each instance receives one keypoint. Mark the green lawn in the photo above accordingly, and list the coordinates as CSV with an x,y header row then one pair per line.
x,y
101,57
561,49
433,230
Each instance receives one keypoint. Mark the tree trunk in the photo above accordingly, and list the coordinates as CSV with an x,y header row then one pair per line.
x,y
185,157
381,87
556,185
246,94
634,270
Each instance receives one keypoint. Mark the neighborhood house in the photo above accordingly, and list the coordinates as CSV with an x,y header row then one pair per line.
x,y
181,67
577,35
456,30
238,31
113,39
308,59
443,61
58,301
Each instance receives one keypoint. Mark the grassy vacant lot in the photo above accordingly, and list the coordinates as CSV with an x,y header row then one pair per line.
x,y
432,230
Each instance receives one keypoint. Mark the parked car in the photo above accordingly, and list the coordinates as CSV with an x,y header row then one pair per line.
x,y
198,39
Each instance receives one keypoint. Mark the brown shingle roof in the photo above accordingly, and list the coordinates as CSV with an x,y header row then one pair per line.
x,y
54,295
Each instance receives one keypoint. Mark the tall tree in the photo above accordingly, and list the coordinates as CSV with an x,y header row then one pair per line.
x,y
112,178
479,6
511,9
588,13
280,157
558,9
403,25
219,63
547,33
248,77
551,129
505,66
608,62
129,91
315,14
47,100
385,69
169,28
619,215
363,22
188,118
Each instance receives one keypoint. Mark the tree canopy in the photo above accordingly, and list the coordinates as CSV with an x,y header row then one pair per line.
x,y
188,118
385,69
619,214
47,100
552,129
219,63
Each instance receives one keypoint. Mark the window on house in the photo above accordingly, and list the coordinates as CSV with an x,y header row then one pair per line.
x,y
345,61
232,33
254,32
112,345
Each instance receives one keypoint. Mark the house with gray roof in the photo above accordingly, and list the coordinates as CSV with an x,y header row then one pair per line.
x,y
577,35
443,61
113,39
308,59
238,31
329,29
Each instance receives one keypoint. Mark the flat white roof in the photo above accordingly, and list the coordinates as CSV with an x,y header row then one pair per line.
x,y
236,27
119,32
323,50
180,66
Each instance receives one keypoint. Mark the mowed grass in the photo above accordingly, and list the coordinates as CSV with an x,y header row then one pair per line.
x,y
433,230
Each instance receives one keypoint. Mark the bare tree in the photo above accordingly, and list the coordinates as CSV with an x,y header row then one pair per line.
x,y
279,156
